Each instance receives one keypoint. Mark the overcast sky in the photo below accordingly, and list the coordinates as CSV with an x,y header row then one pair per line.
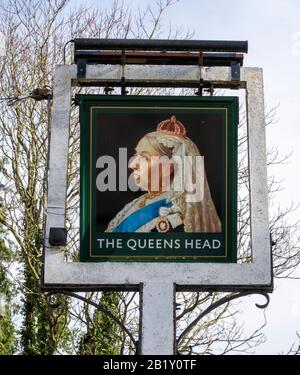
x,y
272,28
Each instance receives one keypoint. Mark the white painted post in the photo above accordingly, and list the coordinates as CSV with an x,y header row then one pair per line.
x,y
157,331
58,163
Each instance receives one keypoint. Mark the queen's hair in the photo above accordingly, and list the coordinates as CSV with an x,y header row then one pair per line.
x,y
161,149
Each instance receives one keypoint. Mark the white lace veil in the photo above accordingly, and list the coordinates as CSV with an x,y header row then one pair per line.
x,y
190,193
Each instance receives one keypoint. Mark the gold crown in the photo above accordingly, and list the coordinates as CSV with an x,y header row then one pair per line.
x,y
172,126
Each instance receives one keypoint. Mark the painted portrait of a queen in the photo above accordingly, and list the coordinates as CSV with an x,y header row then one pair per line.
x,y
170,170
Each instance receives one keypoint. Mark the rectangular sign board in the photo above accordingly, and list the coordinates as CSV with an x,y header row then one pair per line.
x,y
158,179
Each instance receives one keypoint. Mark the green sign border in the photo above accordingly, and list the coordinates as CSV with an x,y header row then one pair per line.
x,y
88,104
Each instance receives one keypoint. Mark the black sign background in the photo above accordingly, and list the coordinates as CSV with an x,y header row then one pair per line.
x,y
116,130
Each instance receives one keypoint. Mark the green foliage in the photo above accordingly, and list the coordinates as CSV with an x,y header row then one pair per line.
x,y
45,330
103,334
7,331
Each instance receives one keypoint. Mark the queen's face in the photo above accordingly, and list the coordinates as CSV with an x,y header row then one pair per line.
x,y
151,171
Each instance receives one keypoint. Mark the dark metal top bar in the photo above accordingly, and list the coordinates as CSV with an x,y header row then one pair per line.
x,y
162,44
159,58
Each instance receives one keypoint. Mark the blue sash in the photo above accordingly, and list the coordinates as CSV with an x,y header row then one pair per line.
x,y
141,216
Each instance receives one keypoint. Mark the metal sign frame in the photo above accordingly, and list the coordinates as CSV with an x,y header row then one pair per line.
x,y
157,282
58,274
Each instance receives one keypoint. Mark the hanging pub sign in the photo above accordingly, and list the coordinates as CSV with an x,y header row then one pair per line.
x,y
158,178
